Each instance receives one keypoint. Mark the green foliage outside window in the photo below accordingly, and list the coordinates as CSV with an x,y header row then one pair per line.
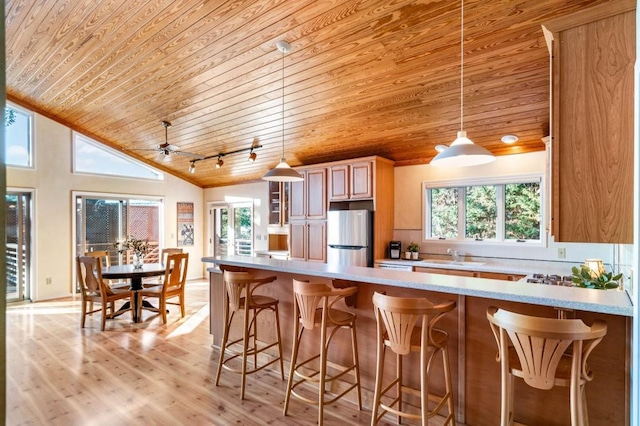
x,y
444,212
481,212
522,211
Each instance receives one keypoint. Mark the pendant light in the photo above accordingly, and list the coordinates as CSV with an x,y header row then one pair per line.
x,y
283,172
462,152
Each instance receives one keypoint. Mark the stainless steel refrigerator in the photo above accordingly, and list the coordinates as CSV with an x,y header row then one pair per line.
x,y
349,238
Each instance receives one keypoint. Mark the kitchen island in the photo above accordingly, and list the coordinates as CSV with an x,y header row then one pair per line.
x,y
476,373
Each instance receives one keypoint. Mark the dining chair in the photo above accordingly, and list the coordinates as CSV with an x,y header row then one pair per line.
x,y
150,282
95,290
173,285
544,352
106,262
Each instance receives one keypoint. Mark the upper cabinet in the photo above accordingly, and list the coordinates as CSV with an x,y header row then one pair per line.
x,y
593,55
351,181
309,197
278,204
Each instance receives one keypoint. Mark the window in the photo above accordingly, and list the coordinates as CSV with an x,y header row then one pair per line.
x,y
18,137
503,210
91,157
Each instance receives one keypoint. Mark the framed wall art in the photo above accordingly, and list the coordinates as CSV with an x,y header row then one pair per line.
x,y
185,224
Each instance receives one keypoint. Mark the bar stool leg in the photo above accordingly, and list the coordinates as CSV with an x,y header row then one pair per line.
x,y
424,384
354,346
448,386
399,385
323,373
245,344
380,349
297,336
279,340
225,338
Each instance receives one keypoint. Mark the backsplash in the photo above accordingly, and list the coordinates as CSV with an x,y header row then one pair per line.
x,y
616,257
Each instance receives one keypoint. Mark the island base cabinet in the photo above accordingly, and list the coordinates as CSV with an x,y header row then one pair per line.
x,y
608,363
472,354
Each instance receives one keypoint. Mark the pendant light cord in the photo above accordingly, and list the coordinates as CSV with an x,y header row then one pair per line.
x,y
283,53
461,65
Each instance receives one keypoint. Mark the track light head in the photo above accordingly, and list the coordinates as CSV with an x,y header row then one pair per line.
x,y
252,156
192,167
219,163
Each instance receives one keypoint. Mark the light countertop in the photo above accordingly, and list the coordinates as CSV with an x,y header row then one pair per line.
x,y
614,302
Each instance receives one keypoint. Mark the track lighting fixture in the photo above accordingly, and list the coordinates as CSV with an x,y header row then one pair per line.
x,y
220,163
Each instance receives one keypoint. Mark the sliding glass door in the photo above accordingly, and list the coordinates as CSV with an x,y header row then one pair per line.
x,y
18,207
100,221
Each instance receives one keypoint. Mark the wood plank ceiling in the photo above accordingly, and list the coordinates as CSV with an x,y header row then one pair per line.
x,y
364,77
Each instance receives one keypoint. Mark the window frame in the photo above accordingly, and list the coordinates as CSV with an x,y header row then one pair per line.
x,y
32,139
500,183
86,139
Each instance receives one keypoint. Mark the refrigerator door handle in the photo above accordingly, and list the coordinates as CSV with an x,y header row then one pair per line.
x,y
337,246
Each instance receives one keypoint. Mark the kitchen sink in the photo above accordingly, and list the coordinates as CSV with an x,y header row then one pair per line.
x,y
453,262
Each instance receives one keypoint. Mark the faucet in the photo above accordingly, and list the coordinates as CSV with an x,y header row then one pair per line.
x,y
454,254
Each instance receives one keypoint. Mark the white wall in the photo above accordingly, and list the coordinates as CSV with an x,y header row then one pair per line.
x,y
53,182
408,220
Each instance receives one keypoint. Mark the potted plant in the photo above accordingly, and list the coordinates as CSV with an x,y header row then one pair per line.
x,y
587,278
414,251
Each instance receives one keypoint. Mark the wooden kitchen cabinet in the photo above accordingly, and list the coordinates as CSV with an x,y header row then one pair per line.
x,y
308,214
351,181
593,55
500,276
308,198
278,203
308,240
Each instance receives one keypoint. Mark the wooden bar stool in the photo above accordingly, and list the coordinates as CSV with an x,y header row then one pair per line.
x,y
314,307
396,318
252,305
544,352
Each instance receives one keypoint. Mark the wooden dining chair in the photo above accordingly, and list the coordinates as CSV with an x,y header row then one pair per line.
x,y
173,285
164,253
544,352
104,257
95,290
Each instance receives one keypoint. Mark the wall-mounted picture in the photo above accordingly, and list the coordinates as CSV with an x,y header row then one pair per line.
x,y
185,224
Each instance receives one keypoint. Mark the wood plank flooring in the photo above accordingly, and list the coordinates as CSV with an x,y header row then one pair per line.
x,y
137,374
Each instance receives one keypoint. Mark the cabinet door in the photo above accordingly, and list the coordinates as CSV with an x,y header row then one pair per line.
x,y
316,196
339,183
317,241
361,181
297,240
297,209
592,144
500,276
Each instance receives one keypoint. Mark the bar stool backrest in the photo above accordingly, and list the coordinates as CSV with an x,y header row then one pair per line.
x,y
235,283
308,298
541,342
400,315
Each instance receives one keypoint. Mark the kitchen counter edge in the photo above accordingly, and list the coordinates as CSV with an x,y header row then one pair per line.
x,y
613,302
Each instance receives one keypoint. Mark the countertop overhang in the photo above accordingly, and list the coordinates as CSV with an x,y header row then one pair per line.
x,y
613,302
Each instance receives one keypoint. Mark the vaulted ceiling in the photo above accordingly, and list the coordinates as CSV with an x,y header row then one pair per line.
x,y
377,77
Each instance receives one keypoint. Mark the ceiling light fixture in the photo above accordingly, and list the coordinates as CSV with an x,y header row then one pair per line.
x,y
219,163
509,139
252,156
283,172
462,152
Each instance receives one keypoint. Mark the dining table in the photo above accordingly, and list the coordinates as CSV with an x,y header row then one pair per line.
x,y
123,272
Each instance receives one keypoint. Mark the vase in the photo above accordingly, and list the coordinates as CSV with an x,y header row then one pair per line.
x,y
415,255
138,260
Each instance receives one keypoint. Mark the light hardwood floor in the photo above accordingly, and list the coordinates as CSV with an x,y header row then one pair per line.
x,y
137,374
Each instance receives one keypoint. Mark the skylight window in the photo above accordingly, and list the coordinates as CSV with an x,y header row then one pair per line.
x,y
94,158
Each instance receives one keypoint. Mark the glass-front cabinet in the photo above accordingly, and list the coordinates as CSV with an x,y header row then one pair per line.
x,y
278,204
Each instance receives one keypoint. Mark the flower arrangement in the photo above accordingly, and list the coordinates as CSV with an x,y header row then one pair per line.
x,y
139,247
